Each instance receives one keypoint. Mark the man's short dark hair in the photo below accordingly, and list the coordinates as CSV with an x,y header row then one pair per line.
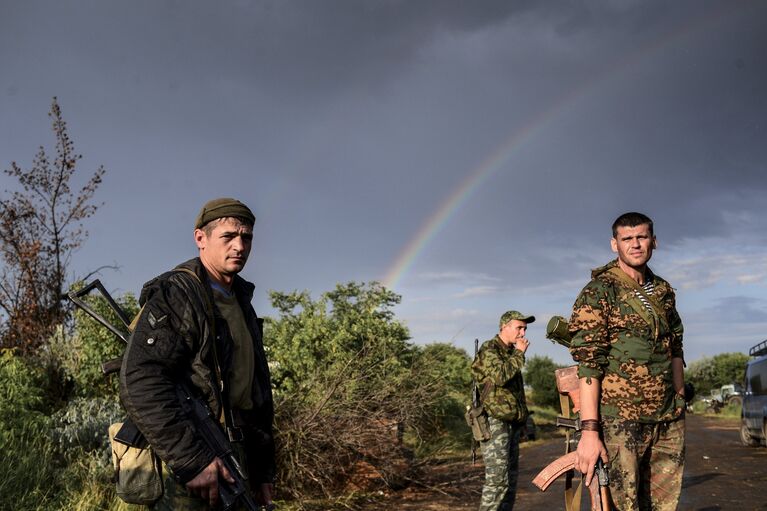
x,y
631,219
208,228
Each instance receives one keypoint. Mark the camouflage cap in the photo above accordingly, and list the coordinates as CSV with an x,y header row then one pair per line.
x,y
509,315
221,208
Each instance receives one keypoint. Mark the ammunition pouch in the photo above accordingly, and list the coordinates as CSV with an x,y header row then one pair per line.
x,y
138,470
557,330
476,418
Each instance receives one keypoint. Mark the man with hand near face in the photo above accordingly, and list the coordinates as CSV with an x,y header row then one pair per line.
x,y
198,328
497,369
627,340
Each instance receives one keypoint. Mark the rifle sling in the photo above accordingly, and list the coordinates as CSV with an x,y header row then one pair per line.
x,y
573,497
485,391
225,417
656,315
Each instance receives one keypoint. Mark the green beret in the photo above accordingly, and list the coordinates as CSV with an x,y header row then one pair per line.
x,y
509,315
221,208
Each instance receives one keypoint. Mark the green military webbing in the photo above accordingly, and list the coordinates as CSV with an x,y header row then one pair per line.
x,y
655,316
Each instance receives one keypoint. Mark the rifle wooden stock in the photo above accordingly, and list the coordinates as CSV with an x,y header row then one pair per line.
x,y
599,494
569,384
112,366
554,469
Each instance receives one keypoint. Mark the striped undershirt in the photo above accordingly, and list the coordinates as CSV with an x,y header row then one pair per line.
x,y
649,288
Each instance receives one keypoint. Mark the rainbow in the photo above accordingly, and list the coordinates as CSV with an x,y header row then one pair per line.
x,y
447,209
529,129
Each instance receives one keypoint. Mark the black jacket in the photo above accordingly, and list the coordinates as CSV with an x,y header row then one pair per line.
x,y
171,343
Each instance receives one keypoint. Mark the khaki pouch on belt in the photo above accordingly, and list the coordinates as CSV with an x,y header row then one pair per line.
x,y
476,418
138,470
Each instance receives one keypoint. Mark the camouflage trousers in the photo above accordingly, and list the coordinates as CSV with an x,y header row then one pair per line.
x,y
646,463
501,457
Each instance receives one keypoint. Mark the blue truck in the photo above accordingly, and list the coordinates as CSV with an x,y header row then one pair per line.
x,y
753,428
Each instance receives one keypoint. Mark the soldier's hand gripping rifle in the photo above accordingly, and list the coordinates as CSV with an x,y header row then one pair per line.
x,y
206,425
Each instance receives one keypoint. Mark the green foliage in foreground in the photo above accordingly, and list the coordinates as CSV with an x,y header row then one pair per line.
x,y
80,355
23,434
51,459
349,386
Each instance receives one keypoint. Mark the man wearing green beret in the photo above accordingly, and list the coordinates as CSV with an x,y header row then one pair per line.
x,y
197,326
497,369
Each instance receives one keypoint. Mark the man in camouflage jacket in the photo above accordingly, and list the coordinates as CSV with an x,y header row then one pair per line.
x,y
497,369
627,339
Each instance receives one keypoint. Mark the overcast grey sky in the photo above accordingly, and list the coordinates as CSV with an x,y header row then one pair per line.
x,y
472,155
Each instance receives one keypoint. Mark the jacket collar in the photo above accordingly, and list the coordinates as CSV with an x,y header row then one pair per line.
x,y
501,344
649,275
241,287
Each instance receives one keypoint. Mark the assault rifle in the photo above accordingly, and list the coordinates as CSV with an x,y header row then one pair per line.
x,y
569,392
569,399
474,404
206,425
210,430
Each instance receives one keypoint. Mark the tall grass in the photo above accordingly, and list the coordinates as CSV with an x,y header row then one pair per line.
x,y
47,460
28,468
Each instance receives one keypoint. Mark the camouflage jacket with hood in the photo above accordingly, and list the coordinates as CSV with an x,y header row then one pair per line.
x,y
171,343
498,368
628,346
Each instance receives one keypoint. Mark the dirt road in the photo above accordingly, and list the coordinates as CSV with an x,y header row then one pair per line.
x,y
720,475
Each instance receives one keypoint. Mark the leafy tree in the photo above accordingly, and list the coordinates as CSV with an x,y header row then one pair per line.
x,y
539,374
351,323
452,367
40,227
348,387
451,364
710,373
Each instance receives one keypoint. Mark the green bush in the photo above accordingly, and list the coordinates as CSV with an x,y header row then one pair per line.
x,y
80,355
447,430
57,444
84,424
539,374
350,387
710,373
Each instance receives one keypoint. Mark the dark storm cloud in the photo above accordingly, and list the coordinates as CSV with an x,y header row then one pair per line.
x,y
684,147
304,49
349,123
